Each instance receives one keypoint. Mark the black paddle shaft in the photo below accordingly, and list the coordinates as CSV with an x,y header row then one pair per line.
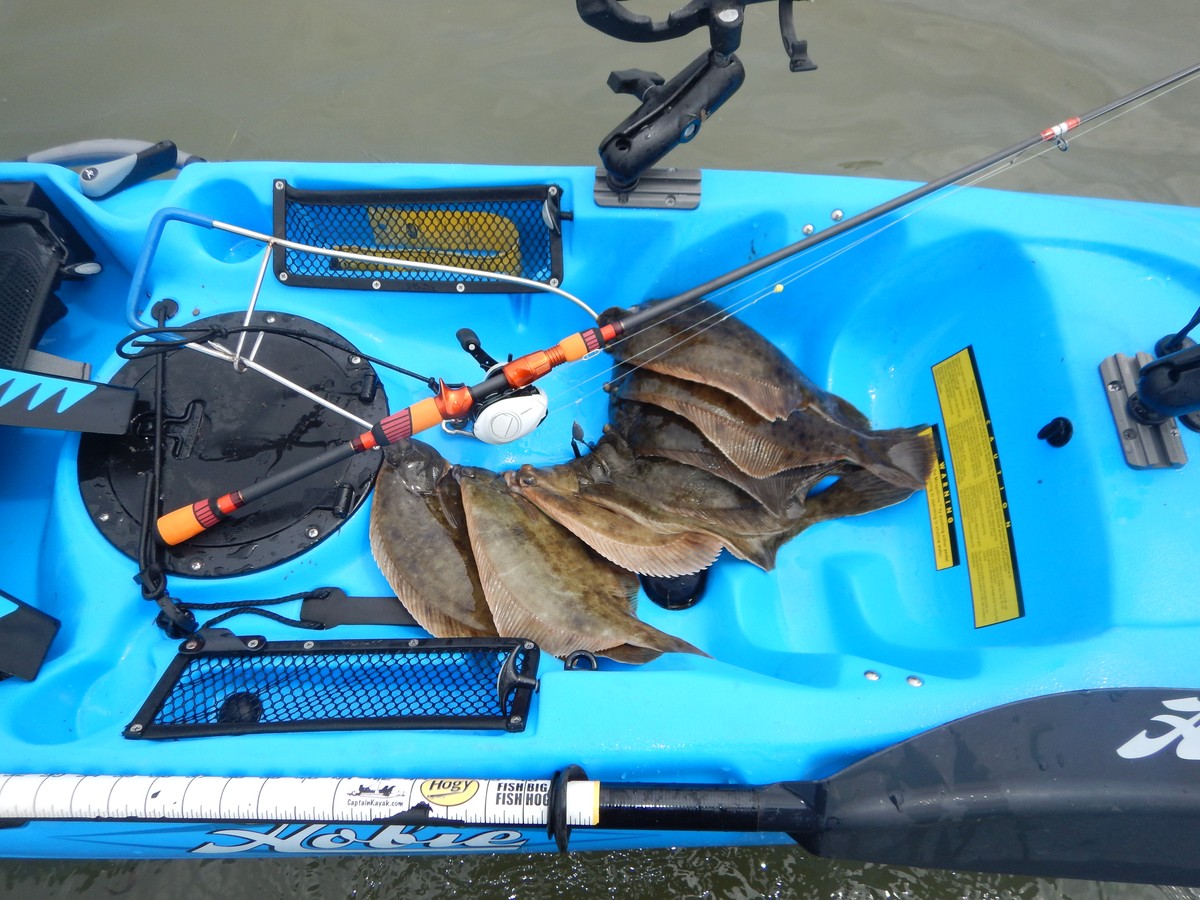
x,y
707,807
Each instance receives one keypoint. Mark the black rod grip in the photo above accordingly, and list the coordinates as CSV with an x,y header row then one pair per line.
x,y
706,807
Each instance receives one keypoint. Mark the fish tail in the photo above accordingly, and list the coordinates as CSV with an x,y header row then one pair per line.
x,y
668,643
901,456
760,549
854,494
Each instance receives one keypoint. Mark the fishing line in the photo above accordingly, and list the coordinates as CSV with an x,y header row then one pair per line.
x,y
459,401
770,273
776,282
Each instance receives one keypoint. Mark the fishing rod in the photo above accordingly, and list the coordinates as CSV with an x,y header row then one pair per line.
x,y
453,402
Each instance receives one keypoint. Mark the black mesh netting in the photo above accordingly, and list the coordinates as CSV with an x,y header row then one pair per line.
x,y
509,231
337,685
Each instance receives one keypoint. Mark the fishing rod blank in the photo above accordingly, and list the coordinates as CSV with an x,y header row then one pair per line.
x,y
1054,133
456,402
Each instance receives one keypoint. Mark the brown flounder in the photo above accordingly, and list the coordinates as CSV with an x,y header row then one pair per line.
x,y
420,543
653,431
543,583
856,492
708,345
853,494
613,535
901,456
664,496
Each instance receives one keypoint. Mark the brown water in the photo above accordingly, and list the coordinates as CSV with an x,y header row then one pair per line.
x,y
905,89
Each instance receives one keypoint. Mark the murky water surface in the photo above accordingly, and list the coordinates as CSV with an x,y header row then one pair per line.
x,y
905,89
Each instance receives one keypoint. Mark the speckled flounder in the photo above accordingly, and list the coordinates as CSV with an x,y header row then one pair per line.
x,y
653,431
706,344
902,456
543,583
660,495
420,543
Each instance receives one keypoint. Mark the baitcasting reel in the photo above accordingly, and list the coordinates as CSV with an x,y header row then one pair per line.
x,y
505,417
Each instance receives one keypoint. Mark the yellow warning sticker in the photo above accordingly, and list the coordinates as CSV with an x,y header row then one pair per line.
x,y
979,481
941,506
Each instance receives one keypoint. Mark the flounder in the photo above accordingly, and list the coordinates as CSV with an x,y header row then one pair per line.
x,y
708,345
653,431
660,495
419,540
614,536
761,448
543,583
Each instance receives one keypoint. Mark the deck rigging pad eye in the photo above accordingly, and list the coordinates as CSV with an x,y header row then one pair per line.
x,y
223,427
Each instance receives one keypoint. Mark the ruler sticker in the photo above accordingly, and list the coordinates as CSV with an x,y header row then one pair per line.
x,y
405,801
982,500
941,506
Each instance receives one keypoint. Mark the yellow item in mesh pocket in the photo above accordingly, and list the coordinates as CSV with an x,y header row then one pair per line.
x,y
466,239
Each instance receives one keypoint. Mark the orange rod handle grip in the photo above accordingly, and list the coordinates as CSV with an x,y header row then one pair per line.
x,y
179,525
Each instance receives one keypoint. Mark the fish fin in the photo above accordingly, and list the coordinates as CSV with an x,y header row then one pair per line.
x,y
635,654
631,655
625,541
756,454
665,555
775,492
854,494
759,549
769,401
903,456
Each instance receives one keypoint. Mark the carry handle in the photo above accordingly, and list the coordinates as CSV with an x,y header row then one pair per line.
x,y
107,178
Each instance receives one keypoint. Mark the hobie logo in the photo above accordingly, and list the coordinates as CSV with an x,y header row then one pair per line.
x,y
349,839
449,791
1184,730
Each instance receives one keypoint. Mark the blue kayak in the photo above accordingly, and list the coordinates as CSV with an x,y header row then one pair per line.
x,y
995,673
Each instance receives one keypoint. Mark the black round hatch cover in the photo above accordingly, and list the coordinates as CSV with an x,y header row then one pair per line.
x,y
224,430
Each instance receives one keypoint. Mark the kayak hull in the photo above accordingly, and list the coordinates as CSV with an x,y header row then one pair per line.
x,y
859,639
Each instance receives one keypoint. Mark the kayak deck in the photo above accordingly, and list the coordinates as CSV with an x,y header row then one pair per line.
x,y
855,641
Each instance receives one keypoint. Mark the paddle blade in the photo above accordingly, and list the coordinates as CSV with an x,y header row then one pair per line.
x,y
25,637
1092,784
36,400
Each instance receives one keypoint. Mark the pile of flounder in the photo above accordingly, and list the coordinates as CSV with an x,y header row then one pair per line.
x,y
717,442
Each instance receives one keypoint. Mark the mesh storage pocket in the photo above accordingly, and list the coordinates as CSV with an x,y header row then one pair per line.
x,y
461,683
502,230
